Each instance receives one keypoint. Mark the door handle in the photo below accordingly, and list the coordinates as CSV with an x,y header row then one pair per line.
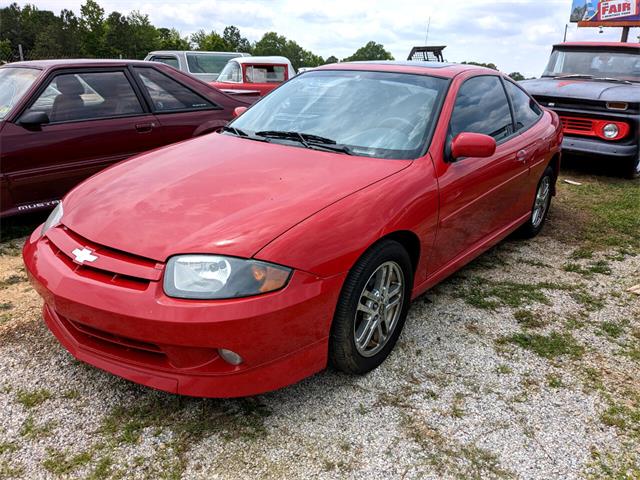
x,y
145,127
521,156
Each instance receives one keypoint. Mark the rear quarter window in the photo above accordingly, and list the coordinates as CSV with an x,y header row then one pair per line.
x,y
525,109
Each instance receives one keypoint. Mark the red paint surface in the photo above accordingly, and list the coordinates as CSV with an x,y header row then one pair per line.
x,y
315,212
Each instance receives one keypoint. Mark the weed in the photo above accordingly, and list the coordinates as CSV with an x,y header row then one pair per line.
x,y
32,431
30,399
554,381
613,330
547,346
9,471
504,369
6,306
491,294
6,447
62,463
528,319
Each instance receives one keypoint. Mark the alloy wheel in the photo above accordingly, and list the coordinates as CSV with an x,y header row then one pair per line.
x,y
542,201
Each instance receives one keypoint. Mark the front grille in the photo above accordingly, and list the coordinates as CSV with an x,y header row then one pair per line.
x,y
577,125
110,265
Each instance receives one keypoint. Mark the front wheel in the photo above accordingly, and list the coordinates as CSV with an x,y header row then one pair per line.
x,y
372,309
540,207
632,168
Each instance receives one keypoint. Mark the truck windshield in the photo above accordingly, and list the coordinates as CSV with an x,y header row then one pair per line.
x,y
595,63
376,114
14,82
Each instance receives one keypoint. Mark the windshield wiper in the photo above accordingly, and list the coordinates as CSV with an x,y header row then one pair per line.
x,y
241,133
574,75
610,79
308,140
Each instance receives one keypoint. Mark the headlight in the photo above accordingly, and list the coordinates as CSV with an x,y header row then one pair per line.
x,y
53,220
610,130
217,277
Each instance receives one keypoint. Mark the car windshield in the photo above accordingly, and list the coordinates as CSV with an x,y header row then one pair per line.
x,y
14,82
208,62
377,114
595,63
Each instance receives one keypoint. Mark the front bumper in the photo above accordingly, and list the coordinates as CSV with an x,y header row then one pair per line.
x,y
171,344
586,146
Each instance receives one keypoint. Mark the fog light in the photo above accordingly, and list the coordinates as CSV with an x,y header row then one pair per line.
x,y
229,356
610,130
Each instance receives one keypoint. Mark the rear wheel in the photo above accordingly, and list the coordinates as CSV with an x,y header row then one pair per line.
x,y
540,207
372,309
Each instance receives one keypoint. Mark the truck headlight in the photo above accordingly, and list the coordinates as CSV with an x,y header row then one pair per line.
x,y
610,130
54,219
218,277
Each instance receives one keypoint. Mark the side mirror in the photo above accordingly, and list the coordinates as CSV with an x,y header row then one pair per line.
x,y
467,144
33,119
238,111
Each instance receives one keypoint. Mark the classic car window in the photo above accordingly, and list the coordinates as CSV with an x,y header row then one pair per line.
x,y
231,73
375,114
167,94
596,63
208,62
265,74
82,96
171,61
482,107
525,109
14,82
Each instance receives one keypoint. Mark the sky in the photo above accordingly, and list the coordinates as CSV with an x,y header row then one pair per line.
x,y
516,35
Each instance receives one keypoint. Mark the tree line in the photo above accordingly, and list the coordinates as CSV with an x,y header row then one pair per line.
x,y
94,34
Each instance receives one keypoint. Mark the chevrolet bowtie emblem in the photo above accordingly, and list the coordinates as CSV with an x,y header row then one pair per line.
x,y
84,255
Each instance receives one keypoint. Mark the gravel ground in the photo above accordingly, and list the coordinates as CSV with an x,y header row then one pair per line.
x,y
525,364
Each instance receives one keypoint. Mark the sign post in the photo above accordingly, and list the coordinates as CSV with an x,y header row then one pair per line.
x,y
607,13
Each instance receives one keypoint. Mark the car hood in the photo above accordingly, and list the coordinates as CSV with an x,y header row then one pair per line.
x,y
214,194
582,89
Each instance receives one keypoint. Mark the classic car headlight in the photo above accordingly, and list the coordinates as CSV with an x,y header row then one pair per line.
x,y
53,220
217,277
610,130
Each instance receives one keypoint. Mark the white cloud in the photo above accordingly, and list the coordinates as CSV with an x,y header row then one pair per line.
x,y
515,35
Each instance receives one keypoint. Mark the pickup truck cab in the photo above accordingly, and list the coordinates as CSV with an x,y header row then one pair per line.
x,y
595,89
203,65
254,76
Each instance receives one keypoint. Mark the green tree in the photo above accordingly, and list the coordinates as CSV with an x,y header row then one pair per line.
x,y
492,66
6,51
209,41
273,44
517,76
92,29
371,51
117,35
143,36
235,41
331,59
170,39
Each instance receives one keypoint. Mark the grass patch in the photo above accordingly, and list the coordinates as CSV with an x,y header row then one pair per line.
x,y
30,399
12,280
10,471
588,301
622,416
546,346
528,319
611,329
62,463
491,294
504,369
7,447
601,267
32,431
611,213
554,381
6,306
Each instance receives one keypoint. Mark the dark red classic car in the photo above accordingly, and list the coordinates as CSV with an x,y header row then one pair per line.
x,y
63,120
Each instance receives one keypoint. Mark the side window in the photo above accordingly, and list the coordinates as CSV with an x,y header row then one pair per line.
x,y
525,109
167,94
231,73
265,74
83,96
171,61
482,107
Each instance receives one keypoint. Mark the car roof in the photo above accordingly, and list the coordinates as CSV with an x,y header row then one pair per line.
x,y
175,52
436,69
599,44
79,62
259,60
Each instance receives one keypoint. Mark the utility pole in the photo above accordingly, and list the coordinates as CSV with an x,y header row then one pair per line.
x,y
20,52
426,37
565,32
625,34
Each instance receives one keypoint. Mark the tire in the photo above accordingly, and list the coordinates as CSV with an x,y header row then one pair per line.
x,y
358,297
632,168
541,204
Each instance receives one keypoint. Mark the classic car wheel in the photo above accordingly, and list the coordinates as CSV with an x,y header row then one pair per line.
x,y
541,203
372,309
633,168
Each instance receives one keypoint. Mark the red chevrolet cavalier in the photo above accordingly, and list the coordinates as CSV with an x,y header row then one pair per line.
x,y
244,261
